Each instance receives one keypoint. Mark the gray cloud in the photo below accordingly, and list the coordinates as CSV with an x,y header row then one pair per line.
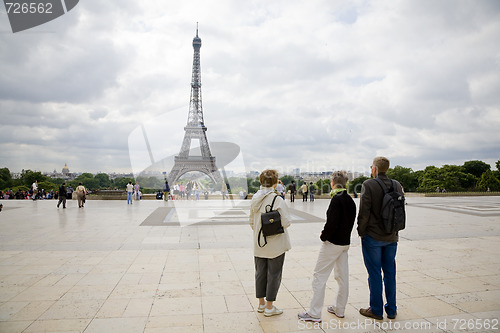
x,y
297,84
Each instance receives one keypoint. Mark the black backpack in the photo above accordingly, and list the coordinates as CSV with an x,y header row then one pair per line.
x,y
271,223
393,208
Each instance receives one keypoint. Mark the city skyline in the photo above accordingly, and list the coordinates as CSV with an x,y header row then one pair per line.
x,y
317,86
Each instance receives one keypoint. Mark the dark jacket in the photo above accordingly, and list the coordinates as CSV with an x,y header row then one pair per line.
x,y
62,190
340,218
370,204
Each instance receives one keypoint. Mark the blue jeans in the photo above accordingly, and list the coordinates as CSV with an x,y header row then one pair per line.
x,y
380,256
129,197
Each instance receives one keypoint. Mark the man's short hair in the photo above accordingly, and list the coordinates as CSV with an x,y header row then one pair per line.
x,y
340,177
381,163
268,178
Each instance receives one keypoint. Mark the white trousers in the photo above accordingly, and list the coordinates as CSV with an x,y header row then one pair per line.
x,y
330,257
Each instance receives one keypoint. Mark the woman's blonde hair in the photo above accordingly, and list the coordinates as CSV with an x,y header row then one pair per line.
x,y
268,178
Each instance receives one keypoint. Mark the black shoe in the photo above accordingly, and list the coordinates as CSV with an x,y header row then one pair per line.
x,y
368,313
393,316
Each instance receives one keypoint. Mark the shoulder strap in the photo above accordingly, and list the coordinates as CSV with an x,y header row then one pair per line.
x,y
272,204
394,188
258,238
260,231
384,187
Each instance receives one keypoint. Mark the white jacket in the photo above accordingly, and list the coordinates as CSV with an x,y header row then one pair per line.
x,y
277,244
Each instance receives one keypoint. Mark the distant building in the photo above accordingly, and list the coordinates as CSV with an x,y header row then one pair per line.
x,y
65,173
65,170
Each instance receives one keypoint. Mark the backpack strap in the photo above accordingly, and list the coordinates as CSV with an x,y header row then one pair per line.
x,y
272,205
384,187
258,238
260,231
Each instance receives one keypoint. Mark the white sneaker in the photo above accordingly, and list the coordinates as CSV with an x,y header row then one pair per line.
x,y
261,308
304,316
332,310
272,312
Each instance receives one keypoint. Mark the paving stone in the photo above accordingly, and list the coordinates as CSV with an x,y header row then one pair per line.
x,y
188,267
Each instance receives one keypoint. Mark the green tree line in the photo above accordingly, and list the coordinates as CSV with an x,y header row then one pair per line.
x,y
92,182
471,176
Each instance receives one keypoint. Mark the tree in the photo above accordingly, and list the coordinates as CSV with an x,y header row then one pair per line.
x,y
85,175
238,184
323,186
405,176
120,183
287,179
5,179
87,180
47,186
488,181
28,177
151,182
355,184
58,181
103,179
449,177
476,168
431,179
253,185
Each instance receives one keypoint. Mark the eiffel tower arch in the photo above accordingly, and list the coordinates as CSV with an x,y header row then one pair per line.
x,y
195,130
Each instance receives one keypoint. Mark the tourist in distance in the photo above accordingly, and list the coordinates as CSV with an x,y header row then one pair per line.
x,y
269,259
336,238
137,190
80,195
379,248
311,191
292,189
130,191
62,195
280,188
69,192
303,188
166,191
34,189
224,190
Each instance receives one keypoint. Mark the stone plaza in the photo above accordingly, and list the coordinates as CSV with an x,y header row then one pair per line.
x,y
187,266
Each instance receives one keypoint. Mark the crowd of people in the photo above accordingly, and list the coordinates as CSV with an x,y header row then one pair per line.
x,y
189,191
33,195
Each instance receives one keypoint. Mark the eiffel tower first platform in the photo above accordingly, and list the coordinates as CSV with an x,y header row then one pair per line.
x,y
195,129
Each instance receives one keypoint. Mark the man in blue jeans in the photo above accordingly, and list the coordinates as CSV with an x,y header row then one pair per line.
x,y
379,248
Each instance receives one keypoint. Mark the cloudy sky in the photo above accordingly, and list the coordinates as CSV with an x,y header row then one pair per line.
x,y
315,85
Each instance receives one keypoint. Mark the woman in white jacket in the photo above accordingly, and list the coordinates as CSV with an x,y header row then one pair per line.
x,y
269,259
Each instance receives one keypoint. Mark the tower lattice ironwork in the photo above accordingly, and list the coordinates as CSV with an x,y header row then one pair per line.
x,y
195,129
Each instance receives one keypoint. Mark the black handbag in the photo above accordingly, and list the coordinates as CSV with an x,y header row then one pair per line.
x,y
271,223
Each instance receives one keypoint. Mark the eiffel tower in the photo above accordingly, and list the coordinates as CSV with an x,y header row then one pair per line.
x,y
195,129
